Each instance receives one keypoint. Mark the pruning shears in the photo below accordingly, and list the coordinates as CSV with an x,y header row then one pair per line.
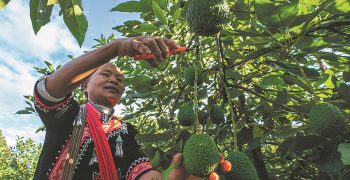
x,y
151,56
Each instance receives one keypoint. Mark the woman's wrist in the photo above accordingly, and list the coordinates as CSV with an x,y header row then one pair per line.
x,y
119,49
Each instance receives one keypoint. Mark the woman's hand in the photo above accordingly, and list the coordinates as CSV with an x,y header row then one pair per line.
x,y
179,172
160,47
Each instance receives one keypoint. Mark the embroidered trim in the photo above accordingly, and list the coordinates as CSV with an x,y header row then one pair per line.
x,y
120,129
96,176
137,167
112,128
57,167
41,88
83,149
40,104
106,113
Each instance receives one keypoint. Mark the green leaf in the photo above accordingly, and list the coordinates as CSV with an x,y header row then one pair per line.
x,y
75,20
162,3
159,12
286,132
274,16
301,143
153,137
303,42
232,74
282,97
344,149
39,13
294,69
257,132
329,82
49,65
311,16
145,27
259,52
272,81
156,159
334,38
129,6
258,25
176,15
41,128
267,13
235,92
52,2
342,5
232,54
23,112
344,92
288,12
298,82
308,2
132,23
3,3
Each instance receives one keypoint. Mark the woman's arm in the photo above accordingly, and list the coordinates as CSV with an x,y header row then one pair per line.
x,y
73,73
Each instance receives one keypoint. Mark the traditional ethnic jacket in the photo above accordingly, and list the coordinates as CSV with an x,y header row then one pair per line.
x,y
58,116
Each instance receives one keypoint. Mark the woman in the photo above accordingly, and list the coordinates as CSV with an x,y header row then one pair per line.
x,y
105,148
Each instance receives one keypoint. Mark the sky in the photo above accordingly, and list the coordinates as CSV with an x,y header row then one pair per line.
x,y
21,50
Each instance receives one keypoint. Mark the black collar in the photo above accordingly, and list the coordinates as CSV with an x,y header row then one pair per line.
x,y
106,112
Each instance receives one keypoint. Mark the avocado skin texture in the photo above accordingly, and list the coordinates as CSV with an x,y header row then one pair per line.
x,y
189,75
242,167
217,115
200,155
206,17
186,115
326,119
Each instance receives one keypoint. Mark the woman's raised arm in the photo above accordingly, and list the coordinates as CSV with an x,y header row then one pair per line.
x,y
73,73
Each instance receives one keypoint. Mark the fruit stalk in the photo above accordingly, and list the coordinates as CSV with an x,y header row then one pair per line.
x,y
195,93
221,72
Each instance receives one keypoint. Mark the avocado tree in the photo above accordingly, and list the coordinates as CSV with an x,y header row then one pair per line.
x,y
260,84
18,162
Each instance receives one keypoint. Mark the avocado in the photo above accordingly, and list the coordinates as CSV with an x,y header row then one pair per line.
x,y
242,167
200,155
326,119
186,115
142,84
189,75
207,17
217,115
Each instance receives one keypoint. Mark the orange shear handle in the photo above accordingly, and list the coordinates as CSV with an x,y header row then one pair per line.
x,y
151,56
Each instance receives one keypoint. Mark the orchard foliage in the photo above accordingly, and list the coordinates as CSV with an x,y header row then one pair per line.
x,y
18,162
272,62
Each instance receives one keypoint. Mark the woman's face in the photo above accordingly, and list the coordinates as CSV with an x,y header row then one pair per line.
x,y
106,85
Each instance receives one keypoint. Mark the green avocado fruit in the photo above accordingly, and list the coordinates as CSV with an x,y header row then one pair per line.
x,y
200,155
206,17
142,84
242,167
326,119
189,76
217,115
186,115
